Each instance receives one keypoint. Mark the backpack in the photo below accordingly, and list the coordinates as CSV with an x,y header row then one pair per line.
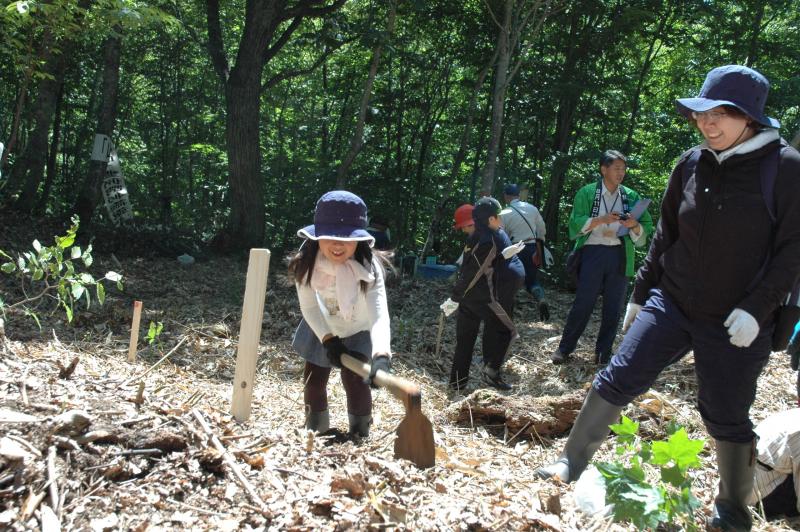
x,y
789,312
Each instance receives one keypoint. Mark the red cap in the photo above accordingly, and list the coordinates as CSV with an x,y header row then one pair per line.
x,y
463,216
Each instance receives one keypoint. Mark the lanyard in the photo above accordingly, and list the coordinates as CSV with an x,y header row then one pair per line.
x,y
612,205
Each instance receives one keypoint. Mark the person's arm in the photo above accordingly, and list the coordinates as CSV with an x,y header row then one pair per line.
x,y
784,268
666,234
381,331
309,307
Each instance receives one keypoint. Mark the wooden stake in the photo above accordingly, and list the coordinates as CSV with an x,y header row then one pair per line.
x,y
137,315
255,293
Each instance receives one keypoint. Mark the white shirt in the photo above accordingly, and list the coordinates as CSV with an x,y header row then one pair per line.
x,y
778,448
515,225
371,313
609,202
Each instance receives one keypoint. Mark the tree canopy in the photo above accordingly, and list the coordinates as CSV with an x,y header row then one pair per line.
x,y
230,119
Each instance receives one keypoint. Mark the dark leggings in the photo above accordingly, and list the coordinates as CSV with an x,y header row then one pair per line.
x,y
315,393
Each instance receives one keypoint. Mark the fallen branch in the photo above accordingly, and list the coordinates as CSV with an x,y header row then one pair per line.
x,y
230,461
154,366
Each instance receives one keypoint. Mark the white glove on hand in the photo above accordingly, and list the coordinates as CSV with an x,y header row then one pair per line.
x,y
512,250
448,307
630,314
742,327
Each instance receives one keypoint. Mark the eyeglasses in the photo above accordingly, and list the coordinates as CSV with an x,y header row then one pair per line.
x,y
706,116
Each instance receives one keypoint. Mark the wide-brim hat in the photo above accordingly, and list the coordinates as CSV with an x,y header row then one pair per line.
x,y
735,85
339,215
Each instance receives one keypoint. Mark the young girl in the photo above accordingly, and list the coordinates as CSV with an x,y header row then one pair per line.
x,y
339,281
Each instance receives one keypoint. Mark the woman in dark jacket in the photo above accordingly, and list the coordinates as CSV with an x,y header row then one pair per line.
x,y
718,268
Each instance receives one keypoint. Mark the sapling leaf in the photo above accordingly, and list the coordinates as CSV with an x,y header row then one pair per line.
x,y
678,448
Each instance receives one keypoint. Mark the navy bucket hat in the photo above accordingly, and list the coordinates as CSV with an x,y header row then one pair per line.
x,y
340,215
511,190
734,85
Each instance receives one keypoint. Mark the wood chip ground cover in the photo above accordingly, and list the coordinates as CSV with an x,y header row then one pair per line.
x,y
81,453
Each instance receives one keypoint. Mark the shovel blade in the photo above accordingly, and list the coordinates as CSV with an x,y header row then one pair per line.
x,y
414,440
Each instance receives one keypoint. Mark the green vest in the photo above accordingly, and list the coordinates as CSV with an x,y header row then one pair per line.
x,y
582,210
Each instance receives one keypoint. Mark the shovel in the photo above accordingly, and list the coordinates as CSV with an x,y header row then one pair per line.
x,y
414,440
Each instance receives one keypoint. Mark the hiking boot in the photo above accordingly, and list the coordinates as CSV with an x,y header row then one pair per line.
x,y
544,311
318,421
359,425
558,357
494,378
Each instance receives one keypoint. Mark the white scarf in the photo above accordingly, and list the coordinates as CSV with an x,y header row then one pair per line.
x,y
345,277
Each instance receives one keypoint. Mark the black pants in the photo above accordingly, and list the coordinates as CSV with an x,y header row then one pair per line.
x,y
782,501
497,335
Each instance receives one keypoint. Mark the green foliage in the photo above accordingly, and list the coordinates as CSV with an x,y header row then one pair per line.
x,y
54,273
154,332
649,484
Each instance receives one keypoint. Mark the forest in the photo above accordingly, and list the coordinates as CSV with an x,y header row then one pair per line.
x,y
229,119
135,132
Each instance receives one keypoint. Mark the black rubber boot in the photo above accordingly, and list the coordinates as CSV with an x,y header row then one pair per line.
x,y
359,425
736,466
586,436
318,421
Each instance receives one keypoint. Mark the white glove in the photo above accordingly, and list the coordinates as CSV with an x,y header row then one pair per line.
x,y
548,258
742,327
448,307
513,249
630,314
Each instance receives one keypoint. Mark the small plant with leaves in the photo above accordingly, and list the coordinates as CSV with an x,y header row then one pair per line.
x,y
667,500
154,332
54,273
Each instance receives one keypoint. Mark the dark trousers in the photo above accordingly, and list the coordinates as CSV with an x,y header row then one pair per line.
x,y
602,272
496,335
726,375
532,285
782,501
315,393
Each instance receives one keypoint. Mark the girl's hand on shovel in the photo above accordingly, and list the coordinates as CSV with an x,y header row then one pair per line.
x,y
380,361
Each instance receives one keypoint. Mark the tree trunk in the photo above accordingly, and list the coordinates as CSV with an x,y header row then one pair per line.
x,y
498,98
460,156
357,142
583,41
23,93
257,45
89,195
752,52
652,51
34,158
50,176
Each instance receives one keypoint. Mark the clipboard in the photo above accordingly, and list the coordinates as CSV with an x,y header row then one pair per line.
x,y
636,213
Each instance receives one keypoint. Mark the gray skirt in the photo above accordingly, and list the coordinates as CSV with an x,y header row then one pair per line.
x,y
306,343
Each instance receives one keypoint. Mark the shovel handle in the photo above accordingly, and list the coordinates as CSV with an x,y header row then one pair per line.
x,y
403,389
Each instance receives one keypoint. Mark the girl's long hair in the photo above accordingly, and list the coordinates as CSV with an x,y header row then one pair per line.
x,y
301,264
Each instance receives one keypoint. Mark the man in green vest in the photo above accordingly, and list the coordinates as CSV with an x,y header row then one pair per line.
x,y
605,233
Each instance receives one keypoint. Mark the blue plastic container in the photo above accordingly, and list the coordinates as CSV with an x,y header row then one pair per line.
x,y
436,271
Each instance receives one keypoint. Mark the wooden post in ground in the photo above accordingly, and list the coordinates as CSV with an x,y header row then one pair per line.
x,y
137,315
255,292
